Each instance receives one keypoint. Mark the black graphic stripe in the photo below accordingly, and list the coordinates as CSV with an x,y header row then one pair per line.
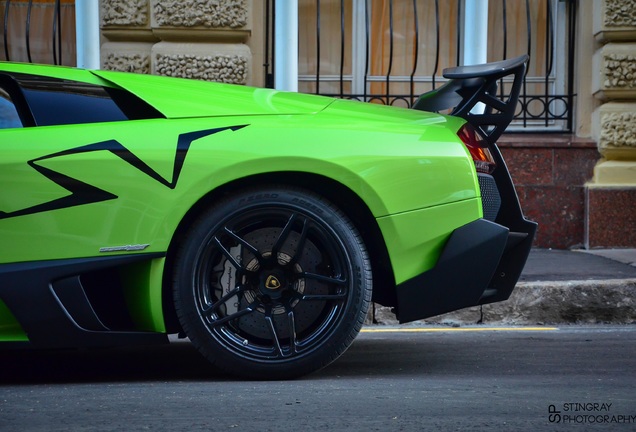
x,y
83,193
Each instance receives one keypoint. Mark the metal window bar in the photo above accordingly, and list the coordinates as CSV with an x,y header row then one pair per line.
x,y
56,36
571,37
28,31
524,93
549,110
342,46
436,68
5,29
318,47
269,44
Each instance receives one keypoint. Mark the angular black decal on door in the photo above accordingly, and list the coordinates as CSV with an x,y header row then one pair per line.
x,y
82,193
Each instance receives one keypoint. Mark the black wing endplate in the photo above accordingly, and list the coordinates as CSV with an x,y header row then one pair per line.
x,y
469,85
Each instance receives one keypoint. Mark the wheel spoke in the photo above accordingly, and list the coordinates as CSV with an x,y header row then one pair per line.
x,y
324,297
323,278
215,306
232,317
284,234
246,244
238,266
272,330
301,243
293,340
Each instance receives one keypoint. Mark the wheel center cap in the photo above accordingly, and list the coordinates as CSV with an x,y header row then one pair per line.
x,y
272,282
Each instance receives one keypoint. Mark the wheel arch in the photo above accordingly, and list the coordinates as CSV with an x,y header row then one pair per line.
x,y
340,195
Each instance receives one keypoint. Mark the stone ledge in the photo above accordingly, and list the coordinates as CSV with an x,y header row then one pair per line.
x,y
129,34
544,141
580,302
199,34
615,174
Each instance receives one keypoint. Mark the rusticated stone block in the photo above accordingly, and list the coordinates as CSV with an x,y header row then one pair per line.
x,y
228,63
615,20
219,68
620,70
620,13
124,13
616,79
137,63
614,128
617,129
205,13
126,57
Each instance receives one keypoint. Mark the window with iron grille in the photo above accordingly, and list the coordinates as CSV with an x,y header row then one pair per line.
x,y
390,51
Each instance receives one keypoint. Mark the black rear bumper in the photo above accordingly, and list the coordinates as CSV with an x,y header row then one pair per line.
x,y
480,263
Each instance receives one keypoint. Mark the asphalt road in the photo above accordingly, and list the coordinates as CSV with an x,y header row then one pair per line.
x,y
566,379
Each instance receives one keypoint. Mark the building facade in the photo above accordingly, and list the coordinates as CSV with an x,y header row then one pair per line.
x,y
611,192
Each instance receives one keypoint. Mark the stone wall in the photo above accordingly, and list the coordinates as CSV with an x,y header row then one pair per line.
x,y
550,173
213,40
611,195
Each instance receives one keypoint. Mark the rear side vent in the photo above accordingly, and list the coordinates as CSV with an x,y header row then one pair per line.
x,y
490,199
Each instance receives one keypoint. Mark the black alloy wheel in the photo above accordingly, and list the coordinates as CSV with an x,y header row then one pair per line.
x,y
272,283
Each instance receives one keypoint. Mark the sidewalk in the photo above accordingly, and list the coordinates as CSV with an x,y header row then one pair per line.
x,y
556,287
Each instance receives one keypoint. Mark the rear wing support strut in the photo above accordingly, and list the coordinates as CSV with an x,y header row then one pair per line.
x,y
470,85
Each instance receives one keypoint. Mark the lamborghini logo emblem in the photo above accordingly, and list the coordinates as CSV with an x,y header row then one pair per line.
x,y
272,282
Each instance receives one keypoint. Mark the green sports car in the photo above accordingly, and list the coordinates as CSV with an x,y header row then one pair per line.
x,y
259,224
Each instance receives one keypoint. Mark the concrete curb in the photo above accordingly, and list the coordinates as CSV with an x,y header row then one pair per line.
x,y
570,302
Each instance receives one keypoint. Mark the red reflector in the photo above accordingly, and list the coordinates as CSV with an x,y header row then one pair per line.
x,y
478,148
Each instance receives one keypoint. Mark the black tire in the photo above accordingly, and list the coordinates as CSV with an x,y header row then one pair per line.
x,y
272,283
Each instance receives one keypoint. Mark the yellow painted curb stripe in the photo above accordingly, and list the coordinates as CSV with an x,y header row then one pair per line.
x,y
456,329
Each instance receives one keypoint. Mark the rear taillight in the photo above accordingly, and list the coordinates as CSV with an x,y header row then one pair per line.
x,y
478,148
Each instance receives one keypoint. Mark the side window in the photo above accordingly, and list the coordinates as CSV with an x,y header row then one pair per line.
x,y
55,101
67,103
9,117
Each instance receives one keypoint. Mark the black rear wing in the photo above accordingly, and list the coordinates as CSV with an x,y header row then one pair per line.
x,y
469,85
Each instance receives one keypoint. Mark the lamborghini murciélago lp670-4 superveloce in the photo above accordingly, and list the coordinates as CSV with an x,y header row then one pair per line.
x,y
257,223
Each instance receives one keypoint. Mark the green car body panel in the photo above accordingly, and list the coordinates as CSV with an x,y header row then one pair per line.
x,y
409,168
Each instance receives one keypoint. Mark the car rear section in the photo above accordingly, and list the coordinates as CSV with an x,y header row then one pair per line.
x,y
482,260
